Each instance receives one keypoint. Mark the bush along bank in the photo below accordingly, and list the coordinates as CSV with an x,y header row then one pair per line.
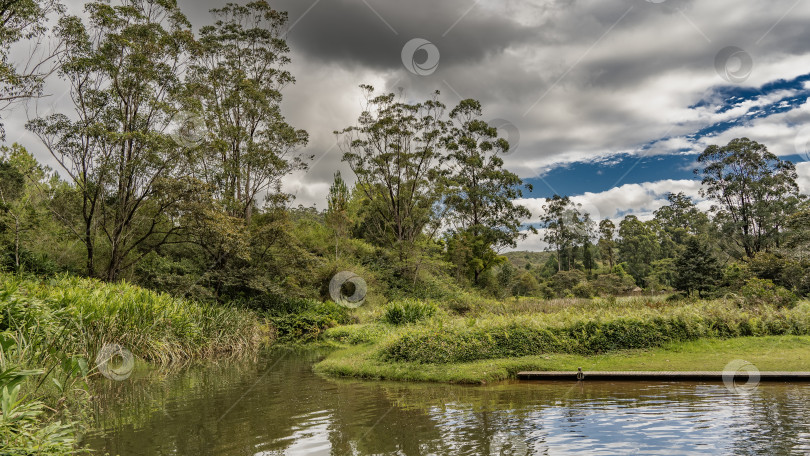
x,y
580,333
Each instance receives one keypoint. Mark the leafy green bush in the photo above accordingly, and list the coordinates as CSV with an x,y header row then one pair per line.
x,y
613,284
24,428
309,323
756,292
583,290
565,281
408,311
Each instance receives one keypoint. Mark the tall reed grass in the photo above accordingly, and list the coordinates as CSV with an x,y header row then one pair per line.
x,y
78,316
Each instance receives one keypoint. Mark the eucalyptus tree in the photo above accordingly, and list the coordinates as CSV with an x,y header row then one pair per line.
x,y
754,192
479,192
638,246
124,65
607,241
243,144
26,20
394,151
337,212
565,228
681,219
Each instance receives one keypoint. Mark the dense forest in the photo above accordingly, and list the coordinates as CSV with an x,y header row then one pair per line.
x,y
172,156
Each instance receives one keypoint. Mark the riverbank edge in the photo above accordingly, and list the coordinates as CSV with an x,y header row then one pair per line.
x,y
769,353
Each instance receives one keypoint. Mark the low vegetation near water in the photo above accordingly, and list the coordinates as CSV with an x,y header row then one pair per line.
x,y
577,328
51,331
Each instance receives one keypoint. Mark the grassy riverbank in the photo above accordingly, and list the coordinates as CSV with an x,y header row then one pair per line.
x,y
782,353
52,330
631,334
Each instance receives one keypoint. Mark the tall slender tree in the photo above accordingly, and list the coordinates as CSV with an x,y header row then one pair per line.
x,y
337,212
26,20
124,68
607,243
243,144
393,151
566,228
479,192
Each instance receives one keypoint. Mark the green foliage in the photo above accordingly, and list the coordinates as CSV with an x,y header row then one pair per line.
x,y
638,247
24,426
408,311
758,292
479,193
613,284
308,321
565,281
588,332
755,191
566,228
27,425
85,314
696,269
393,152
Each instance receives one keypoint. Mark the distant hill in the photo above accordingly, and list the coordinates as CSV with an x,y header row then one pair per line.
x,y
521,258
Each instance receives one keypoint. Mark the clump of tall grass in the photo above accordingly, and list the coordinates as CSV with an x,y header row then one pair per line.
x,y
408,311
588,331
78,316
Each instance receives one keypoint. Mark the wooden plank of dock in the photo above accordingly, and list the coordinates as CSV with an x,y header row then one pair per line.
x,y
775,376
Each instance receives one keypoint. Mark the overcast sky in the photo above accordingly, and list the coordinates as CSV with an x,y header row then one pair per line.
x,y
607,101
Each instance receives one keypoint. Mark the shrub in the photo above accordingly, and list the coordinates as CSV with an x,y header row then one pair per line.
x,y
583,290
613,284
408,311
589,333
565,281
309,322
758,292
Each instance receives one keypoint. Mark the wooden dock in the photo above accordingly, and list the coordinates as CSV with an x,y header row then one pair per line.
x,y
664,376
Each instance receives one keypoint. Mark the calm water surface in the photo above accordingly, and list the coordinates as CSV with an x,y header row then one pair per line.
x,y
279,407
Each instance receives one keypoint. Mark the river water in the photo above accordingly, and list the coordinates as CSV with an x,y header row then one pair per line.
x,y
278,406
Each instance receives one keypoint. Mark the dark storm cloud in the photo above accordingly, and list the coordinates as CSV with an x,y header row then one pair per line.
x,y
372,33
